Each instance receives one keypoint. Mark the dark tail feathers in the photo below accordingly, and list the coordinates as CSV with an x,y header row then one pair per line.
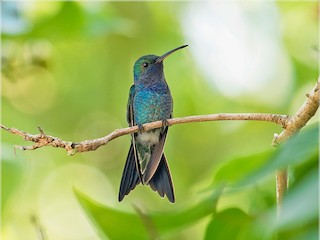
x,y
130,178
160,182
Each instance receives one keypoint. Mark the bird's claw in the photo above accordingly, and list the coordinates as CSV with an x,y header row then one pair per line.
x,y
165,123
140,128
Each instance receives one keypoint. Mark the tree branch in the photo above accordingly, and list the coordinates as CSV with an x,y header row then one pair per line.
x,y
281,187
301,117
291,125
42,139
296,122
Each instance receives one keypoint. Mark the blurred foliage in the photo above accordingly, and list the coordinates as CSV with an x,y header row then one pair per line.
x,y
67,67
110,222
231,223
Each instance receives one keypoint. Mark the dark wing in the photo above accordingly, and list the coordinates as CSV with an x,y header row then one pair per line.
x,y
130,118
161,180
130,177
131,173
155,158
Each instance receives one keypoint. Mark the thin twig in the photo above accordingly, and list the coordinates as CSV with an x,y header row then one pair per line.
x,y
42,139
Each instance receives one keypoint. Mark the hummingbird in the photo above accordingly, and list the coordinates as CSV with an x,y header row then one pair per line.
x,y
149,100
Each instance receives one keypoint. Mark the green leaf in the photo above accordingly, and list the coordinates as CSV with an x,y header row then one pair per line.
x,y
300,148
228,224
236,169
175,220
297,149
110,222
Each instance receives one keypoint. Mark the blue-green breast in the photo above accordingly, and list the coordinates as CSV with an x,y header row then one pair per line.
x,y
152,103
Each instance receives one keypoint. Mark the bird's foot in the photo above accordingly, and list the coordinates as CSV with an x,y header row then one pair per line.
x,y
140,128
165,123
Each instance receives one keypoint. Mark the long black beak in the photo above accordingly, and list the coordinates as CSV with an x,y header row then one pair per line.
x,y
161,58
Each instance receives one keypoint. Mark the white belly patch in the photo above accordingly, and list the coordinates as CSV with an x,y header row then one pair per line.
x,y
150,138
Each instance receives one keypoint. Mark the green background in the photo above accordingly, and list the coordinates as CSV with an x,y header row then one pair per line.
x,y
69,71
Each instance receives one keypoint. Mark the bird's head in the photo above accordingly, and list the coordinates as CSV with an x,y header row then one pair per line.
x,y
149,68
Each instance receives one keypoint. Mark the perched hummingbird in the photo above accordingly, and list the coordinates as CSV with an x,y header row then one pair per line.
x,y
149,100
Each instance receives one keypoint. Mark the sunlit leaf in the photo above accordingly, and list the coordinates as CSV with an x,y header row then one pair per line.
x,y
168,222
110,222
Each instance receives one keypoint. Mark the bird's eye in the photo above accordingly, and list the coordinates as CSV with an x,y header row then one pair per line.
x,y
145,64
